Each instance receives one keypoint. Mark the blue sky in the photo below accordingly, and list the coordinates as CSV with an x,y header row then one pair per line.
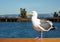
x,y
41,6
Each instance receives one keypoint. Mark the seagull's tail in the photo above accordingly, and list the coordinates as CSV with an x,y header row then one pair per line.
x,y
53,28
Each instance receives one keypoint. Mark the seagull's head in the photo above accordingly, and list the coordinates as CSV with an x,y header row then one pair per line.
x,y
34,13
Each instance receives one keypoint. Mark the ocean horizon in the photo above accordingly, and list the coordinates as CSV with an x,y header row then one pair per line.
x,y
17,15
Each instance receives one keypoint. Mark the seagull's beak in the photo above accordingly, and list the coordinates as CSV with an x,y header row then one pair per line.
x,y
31,15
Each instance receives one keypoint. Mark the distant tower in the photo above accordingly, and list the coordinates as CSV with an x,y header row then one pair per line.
x,y
59,14
20,12
23,13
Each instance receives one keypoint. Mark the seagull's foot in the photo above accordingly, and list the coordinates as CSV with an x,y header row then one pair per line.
x,y
38,38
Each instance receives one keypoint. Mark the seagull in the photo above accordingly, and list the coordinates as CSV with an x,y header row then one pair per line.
x,y
43,25
40,24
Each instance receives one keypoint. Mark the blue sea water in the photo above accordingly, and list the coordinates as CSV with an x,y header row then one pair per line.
x,y
25,30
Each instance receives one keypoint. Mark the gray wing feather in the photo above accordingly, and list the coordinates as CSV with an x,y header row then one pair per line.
x,y
45,24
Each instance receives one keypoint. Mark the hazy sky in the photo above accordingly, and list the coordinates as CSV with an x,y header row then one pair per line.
x,y
41,6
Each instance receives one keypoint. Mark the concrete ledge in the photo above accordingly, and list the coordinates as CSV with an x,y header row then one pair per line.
x,y
29,40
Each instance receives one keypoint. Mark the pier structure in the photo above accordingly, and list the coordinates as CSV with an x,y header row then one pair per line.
x,y
53,19
5,19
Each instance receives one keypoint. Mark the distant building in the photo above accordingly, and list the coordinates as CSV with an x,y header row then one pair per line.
x,y
59,14
55,14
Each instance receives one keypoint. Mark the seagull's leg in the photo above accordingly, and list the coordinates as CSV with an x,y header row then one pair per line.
x,y
40,35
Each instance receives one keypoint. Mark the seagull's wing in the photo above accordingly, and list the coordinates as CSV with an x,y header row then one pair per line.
x,y
45,25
